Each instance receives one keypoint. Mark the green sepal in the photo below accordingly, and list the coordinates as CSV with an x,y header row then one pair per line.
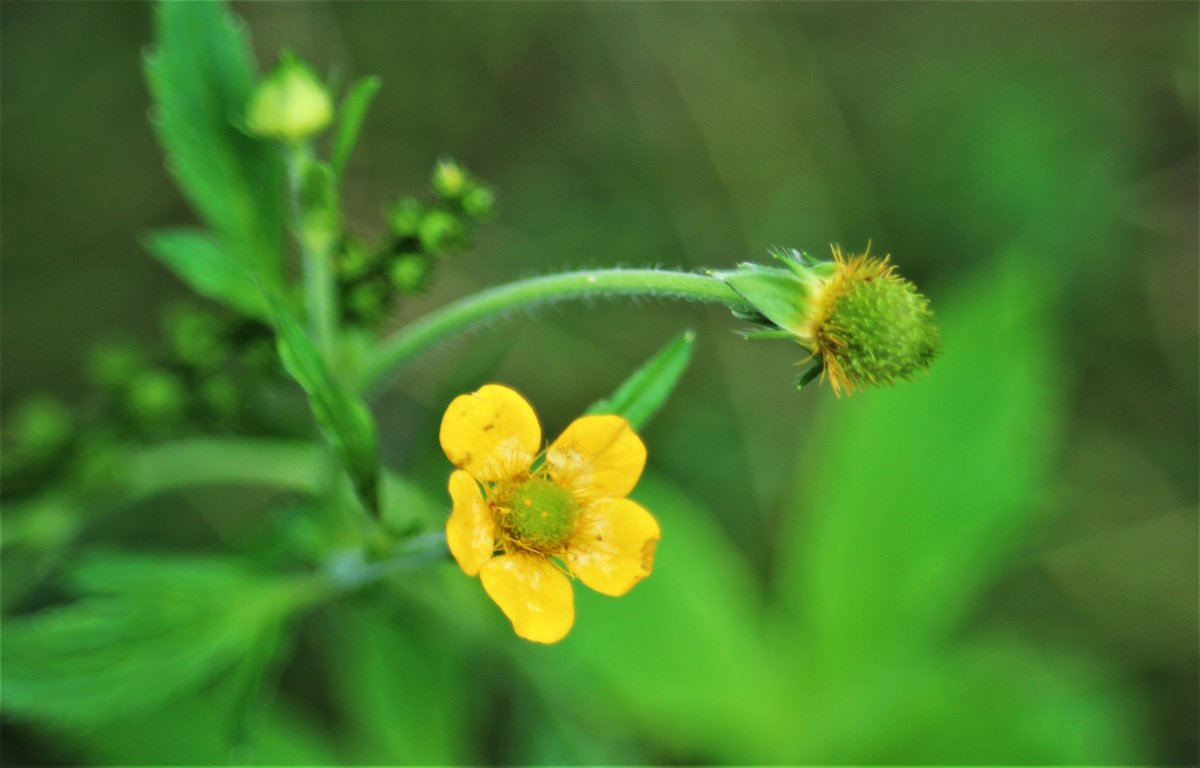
x,y
208,268
353,113
778,294
341,414
764,334
646,391
809,376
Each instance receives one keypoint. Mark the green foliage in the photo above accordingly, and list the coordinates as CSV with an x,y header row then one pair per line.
x,y
696,666
957,460
647,390
341,414
144,629
399,686
201,74
350,120
208,268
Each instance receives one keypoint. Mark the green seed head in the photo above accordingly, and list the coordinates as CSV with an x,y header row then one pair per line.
x,y
543,514
884,332
871,327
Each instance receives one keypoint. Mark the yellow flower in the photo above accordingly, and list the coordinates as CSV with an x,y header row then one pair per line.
x,y
522,524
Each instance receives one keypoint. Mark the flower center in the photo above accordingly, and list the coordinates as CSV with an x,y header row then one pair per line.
x,y
543,514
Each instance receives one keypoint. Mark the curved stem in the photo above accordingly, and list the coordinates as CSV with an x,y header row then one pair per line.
x,y
396,351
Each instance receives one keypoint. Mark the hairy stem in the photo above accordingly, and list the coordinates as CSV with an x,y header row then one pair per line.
x,y
399,349
320,288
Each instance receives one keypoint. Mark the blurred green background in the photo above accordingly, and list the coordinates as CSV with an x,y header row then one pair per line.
x,y
994,564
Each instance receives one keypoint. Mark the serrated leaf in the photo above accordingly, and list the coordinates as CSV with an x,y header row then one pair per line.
x,y
341,414
350,120
146,629
208,268
646,391
201,74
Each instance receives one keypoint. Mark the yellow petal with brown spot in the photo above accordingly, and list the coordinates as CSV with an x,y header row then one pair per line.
x,y
493,433
597,457
534,595
471,530
613,548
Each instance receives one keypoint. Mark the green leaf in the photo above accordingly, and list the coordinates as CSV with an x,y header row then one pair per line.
x,y
208,268
398,686
638,657
341,414
353,112
146,629
201,75
911,498
646,391
197,729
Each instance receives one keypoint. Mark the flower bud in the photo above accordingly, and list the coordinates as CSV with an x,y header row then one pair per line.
x,y
450,180
479,202
112,364
196,336
441,232
405,217
290,104
156,400
409,273
866,325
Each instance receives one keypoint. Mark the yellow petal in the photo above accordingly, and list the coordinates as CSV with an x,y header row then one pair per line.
x,y
534,595
613,548
493,433
470,531
597,457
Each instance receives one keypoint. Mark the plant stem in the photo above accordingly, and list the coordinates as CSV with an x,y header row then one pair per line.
x,y
399,349
320,289
351,570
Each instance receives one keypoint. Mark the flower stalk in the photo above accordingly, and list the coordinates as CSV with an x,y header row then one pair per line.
x,y
398,350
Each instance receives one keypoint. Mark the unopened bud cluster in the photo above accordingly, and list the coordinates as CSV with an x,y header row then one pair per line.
x,y
421,233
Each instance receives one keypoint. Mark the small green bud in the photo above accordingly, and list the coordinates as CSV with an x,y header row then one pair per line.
x,y
196,336
290,104
112,364
409,273
441,233
405,217
543,514
449,179
368,302
41,428
354,260
221,398
156,400
479,202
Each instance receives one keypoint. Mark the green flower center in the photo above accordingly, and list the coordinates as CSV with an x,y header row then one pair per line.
x,y
543,514
885,331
